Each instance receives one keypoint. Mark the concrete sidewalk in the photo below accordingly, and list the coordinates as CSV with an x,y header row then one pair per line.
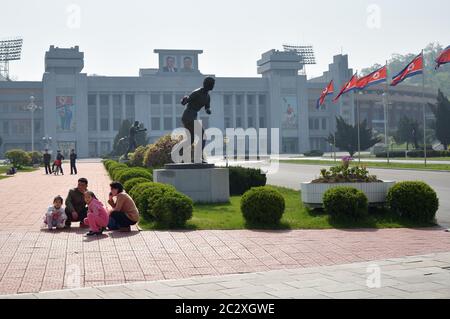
x,y
422,277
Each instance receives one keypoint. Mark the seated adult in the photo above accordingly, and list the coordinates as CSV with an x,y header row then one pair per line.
x,y
124,212
76,209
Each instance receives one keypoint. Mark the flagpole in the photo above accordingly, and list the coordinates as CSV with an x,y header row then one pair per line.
x,y
424,113
386,114
358,102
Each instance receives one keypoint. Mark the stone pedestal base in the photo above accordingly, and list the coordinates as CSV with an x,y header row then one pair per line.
x,y
202,183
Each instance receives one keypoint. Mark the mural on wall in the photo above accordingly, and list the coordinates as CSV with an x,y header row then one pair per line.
x,y
289,108
65,109
170,64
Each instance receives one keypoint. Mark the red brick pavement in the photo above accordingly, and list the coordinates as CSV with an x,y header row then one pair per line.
x,y
32,260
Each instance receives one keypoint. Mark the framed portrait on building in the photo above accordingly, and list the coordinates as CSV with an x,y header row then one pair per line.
x,y
187,64
289,108
170,64
65,112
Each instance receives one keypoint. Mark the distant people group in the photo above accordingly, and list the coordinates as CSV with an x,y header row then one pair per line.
x,y
84,207
56,167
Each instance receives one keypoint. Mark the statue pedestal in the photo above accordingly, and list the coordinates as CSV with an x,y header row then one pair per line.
x,y
204,183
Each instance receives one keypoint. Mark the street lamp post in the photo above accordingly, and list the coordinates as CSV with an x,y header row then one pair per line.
x,y
32,107
47,139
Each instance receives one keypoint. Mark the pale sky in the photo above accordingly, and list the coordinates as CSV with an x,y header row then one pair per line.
x,y
118,37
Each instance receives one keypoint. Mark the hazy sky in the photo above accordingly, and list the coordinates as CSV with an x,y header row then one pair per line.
x,y
118,37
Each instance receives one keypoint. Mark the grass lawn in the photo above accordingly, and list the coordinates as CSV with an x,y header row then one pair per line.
x,y
228,216
431,167
4,168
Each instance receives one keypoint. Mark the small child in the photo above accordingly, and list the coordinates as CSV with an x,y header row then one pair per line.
x,y
97,217
57,164
55,215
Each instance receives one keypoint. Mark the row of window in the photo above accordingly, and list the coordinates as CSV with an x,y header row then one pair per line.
x,y
240,98
318,124
20,127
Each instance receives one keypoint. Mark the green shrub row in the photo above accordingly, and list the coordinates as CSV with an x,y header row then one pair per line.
x,y
243,179
415,201
415,153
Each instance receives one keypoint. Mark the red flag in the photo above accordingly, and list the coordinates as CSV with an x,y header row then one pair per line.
x,y
327,91
373,78
413,68
443,58
348,87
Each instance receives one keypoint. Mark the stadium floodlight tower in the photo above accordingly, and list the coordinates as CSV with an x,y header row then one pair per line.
x,y
306,52
10,50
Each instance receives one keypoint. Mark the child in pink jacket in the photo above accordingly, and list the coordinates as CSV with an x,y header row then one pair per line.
x,y
97,217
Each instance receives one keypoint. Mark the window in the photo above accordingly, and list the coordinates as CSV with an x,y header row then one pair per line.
x,y
238,122
250,122
92,118
155,99
227,123
227,99
262,122
205,122
168,124
262,99
178,122
167,99
5,127
324,124
92,99
239,99
93,149
156,125
105,148
117,111
316,124
129,107
250,99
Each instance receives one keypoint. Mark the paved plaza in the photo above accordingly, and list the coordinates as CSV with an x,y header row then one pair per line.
x,y
34,260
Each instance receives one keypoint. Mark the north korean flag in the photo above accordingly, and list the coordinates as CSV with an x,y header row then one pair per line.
x,y
443,58
348,87
373,78
415,67
327,91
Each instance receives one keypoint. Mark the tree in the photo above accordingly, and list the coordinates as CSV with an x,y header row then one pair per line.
x,y
121,146
407,132
347,136
442,114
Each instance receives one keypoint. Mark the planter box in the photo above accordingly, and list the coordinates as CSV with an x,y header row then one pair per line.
x,y
312,194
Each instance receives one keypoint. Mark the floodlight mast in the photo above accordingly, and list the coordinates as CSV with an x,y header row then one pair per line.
x,y
10,50
305,52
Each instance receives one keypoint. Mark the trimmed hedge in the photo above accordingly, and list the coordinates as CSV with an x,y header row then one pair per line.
x,y
172,210
414,200
123,175
346,203
146,194
262,205
243,179
314,153
129,184
415,153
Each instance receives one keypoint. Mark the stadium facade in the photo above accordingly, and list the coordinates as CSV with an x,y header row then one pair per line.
x,y
85,112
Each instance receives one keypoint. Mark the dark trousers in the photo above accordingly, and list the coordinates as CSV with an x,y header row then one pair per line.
x,y
81,215
73,168
48,169
118,220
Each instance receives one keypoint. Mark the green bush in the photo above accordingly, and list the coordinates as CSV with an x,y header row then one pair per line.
x,y
262,205
242,179
146,194
172,210
129,184
159,154
108,163
414,200
124,175
313,153
115,168
346,203
18,158
137,158
36,157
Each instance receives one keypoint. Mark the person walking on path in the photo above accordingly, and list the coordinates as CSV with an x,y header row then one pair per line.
x,y
76,209
97,217
73,159
124,212
47,160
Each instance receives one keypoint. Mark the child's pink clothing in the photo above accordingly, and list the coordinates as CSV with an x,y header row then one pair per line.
x,y
97,216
